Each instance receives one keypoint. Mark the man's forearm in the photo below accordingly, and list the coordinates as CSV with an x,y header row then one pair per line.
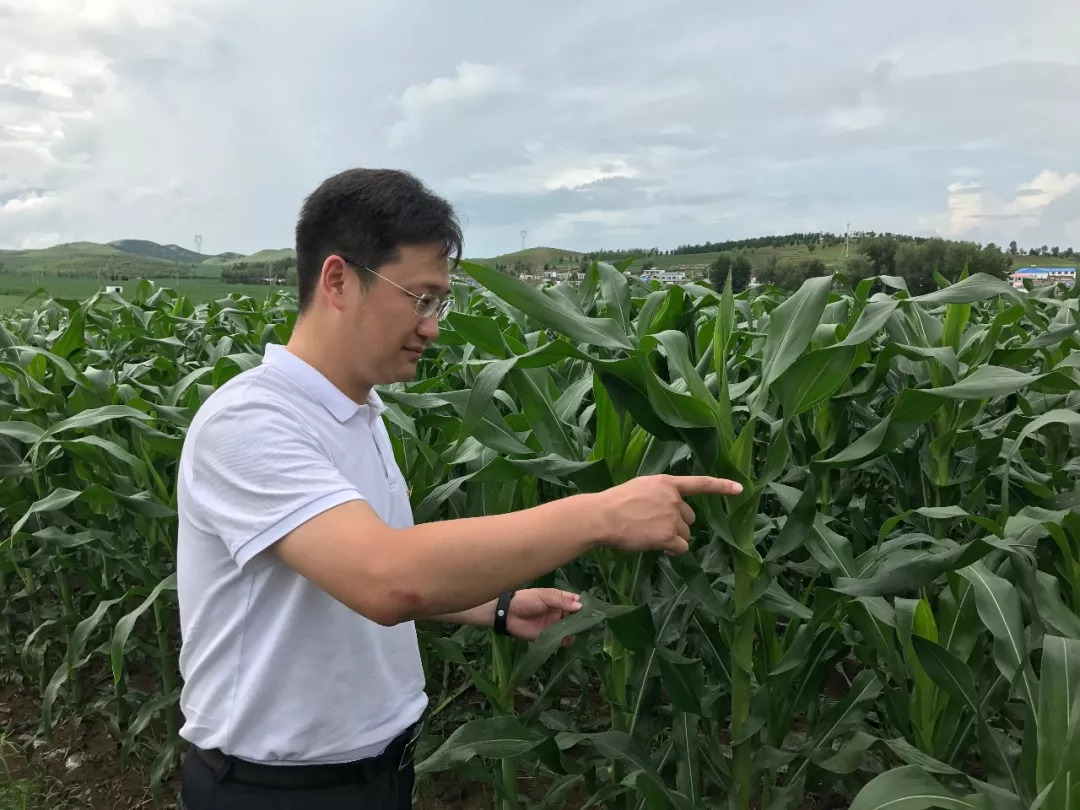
x,y
394,575
456,566
479,616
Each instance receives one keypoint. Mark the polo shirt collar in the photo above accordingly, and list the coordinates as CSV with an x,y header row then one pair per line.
x,y
312,380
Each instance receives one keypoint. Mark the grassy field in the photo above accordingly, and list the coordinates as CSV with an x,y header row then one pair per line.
x,y
1044,261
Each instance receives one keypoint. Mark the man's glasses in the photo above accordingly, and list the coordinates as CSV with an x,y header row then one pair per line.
x,y
426,305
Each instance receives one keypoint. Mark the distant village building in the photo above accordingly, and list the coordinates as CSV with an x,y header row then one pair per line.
x,y
1042,276
670,275
664,276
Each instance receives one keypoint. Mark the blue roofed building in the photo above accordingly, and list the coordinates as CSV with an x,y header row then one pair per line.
x,y
1042,276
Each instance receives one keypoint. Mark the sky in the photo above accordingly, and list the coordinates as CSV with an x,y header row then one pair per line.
x,y
607,124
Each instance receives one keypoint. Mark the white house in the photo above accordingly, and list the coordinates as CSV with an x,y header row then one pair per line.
x,y
1041,276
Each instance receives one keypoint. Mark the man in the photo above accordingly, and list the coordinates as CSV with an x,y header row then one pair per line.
x,y
300,571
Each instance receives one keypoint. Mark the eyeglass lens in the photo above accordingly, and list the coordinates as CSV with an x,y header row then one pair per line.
x,y
428,305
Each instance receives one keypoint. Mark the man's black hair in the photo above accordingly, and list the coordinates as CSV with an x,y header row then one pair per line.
x,y
365,215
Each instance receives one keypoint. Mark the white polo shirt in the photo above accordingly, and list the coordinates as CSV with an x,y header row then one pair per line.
x,y
275,669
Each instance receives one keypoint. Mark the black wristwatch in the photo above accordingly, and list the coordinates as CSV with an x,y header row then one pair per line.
x,y
502,610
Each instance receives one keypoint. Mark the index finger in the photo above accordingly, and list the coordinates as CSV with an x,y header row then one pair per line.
x,y
705,485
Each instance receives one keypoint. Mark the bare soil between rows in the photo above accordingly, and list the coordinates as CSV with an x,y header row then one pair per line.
x,y
80,768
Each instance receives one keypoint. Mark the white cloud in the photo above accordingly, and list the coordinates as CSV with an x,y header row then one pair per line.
x,y
420,103
583,175
101,13
38,240
52,87
1045,188
29,202
547,173
144,13
56,73
958,188
853,119
970,206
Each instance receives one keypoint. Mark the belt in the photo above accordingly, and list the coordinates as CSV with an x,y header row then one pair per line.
x,y
396,756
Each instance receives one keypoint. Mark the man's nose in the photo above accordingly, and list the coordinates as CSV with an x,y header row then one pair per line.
x,y
429,327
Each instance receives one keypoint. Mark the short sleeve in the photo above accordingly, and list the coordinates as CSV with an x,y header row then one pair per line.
x,y
256,474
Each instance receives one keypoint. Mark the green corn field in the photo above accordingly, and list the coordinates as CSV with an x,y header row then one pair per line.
x,y
889,614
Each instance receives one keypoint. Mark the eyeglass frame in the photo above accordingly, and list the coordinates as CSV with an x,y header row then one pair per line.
x,y
439,308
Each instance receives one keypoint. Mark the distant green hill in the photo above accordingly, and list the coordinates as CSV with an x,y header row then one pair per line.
x,y
81,259
559,258
265,256
152,250
123,258
534,257
223,258
65,250
831,256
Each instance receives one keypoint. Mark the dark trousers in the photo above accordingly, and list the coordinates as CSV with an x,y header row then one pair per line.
x,y
202,789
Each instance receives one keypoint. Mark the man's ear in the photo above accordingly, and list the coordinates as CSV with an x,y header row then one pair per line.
x,y
335,281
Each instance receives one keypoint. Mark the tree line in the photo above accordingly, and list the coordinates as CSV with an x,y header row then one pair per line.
x,y
777,240
914,259
1067,253
279,271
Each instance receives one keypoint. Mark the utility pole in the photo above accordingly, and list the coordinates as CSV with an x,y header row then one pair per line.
x,y
198,249
847,241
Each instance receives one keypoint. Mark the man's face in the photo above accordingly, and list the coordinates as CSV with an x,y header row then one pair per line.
x,y
389,335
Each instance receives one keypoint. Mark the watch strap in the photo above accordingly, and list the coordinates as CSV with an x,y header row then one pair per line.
x,y
502,611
